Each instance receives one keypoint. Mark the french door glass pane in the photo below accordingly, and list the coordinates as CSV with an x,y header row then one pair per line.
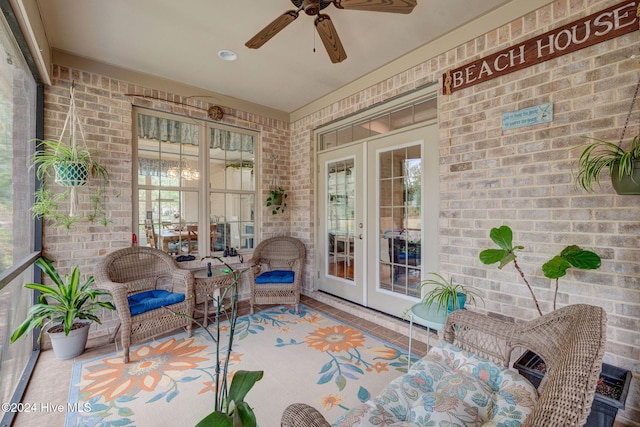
x,y
400,227
341,192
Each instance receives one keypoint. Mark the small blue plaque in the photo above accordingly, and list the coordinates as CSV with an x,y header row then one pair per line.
x,y
542,113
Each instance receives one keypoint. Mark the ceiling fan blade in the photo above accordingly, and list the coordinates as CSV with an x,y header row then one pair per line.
x,y
391,6
330,39
272,29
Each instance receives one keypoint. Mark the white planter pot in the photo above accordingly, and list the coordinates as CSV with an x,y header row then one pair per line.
x,y
72,345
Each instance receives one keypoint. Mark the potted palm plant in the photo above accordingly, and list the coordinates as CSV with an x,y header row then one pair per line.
x,y
448,294
623,165
69,305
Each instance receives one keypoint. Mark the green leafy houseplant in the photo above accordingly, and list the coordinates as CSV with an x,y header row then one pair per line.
x,y
448,294
230,409
70,167
63,304
556,267
276,200
600,155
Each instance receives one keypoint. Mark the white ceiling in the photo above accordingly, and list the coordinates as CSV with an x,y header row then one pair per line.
x,y
179,40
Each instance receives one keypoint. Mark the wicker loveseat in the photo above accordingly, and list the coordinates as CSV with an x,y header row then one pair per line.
x,y
570,340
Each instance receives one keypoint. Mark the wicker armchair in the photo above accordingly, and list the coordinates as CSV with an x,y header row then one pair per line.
x,y
134,271
277,255
571,341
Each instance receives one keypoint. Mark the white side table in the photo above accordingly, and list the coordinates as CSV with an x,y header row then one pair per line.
x,y
429,316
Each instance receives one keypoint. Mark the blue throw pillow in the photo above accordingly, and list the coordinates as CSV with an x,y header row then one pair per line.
x,y
276,276
150,300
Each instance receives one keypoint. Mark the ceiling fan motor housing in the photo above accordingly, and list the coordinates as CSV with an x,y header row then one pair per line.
x,y
311,7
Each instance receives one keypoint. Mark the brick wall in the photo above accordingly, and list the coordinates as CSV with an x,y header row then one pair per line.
x,y
523,177
106,113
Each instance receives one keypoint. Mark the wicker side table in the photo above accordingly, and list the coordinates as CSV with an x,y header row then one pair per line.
x,y
207,289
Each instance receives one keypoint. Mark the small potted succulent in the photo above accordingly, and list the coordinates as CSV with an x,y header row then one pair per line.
x,y
69,305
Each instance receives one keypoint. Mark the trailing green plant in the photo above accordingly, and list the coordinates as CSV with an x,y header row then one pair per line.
x,y
445,293
230,409
64,303
600,155
277,200
53,154
555,268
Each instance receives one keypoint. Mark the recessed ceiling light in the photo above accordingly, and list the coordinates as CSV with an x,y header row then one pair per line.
x,y
227,55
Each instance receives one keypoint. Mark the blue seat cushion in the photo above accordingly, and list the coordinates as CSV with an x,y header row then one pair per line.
x,y
276,276
150,300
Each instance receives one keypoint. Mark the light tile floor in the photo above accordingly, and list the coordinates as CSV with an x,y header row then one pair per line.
x,y
48,388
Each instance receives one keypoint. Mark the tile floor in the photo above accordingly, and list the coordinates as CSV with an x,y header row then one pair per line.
x,y
49,386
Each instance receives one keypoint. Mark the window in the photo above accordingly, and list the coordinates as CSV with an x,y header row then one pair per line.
x,y
194,176
18,91
380,119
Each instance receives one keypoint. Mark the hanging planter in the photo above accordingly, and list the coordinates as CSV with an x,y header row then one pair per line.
x,y
71,174
69,162
623,165
276,200
625,183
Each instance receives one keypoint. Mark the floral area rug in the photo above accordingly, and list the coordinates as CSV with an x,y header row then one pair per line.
x,y
306,357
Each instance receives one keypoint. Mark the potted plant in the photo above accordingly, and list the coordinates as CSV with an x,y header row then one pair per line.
x,y
448,294
71,165
623,165
69,305
556,267
276,200
69,162
230,409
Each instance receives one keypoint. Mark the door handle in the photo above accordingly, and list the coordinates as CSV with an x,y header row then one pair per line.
x,y
360,236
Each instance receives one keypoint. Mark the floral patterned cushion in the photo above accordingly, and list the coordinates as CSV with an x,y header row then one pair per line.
x,y
448,387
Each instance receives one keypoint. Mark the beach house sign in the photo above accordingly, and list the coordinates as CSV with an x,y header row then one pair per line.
x,y
609,23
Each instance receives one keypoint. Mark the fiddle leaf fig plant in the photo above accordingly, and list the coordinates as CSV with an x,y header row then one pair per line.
x,y
555,268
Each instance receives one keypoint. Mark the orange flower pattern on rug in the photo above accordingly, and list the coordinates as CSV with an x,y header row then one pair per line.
x,y
144,371
181,371
335,338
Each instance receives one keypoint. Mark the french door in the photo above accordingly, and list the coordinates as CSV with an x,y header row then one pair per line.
x,y
377,219
341,192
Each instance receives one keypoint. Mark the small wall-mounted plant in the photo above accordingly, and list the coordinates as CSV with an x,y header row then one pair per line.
x,y
277,200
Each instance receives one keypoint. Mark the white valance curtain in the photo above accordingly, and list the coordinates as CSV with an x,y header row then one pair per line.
x,y
173,131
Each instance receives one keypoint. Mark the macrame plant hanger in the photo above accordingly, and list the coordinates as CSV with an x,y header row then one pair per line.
x,y
72,174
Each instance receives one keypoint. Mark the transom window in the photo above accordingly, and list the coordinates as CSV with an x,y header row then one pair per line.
x,y
196,184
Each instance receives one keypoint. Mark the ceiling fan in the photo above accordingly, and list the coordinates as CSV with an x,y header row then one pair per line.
x,y
326,30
